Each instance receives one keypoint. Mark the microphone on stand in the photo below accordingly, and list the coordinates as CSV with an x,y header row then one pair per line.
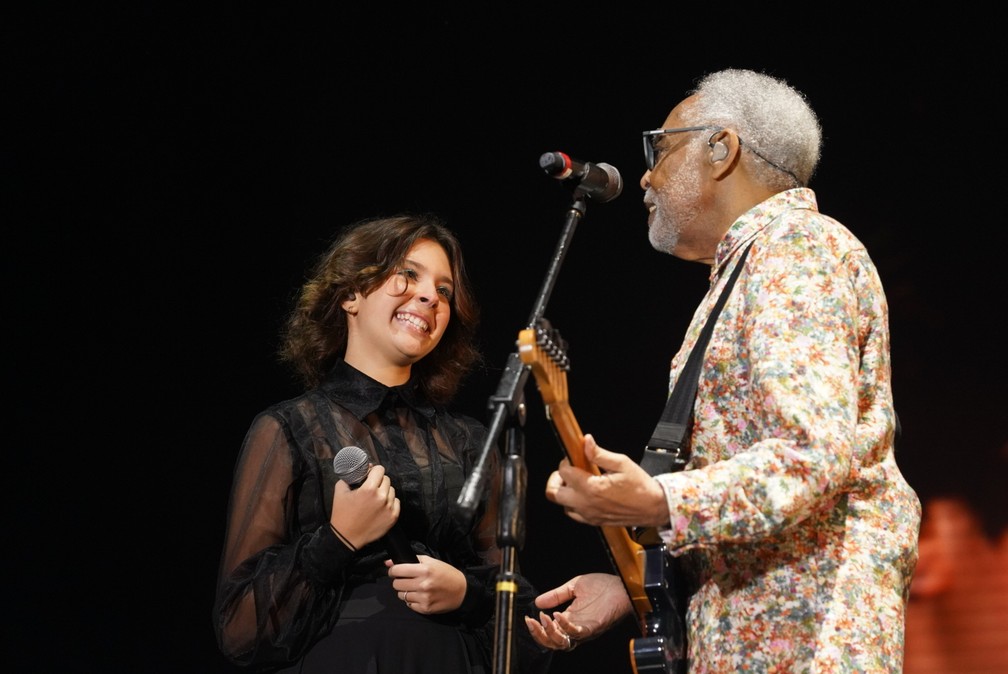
x,y
600,181
351,464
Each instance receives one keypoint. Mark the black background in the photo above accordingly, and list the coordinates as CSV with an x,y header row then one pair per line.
x,y
172,169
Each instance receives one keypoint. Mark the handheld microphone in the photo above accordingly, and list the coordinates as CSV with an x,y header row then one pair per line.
x,y
351,464
600,181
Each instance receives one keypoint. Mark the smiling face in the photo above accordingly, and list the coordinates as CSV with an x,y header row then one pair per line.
x,y
404,318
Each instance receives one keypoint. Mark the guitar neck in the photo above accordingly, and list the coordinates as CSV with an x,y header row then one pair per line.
x,y
645,571
627,555
546,360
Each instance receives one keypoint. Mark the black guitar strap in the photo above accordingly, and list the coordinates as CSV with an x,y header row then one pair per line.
x,y
663,453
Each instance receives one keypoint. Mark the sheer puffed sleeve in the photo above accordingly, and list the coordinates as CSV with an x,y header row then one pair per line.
x,y
278,588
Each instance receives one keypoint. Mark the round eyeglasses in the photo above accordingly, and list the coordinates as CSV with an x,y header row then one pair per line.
x,y
651,151
651,137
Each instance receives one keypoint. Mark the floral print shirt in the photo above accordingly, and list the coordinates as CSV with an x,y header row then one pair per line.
x,y
792,512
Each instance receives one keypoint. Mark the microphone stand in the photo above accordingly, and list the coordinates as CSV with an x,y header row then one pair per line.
x,y
508,409
510,538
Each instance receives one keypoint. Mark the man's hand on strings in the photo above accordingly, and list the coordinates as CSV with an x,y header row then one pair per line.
x,y
624,494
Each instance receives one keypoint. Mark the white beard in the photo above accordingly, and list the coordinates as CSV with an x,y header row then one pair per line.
x,y
676,206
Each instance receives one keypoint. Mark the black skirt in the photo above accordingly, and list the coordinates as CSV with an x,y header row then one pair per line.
x,y
377,634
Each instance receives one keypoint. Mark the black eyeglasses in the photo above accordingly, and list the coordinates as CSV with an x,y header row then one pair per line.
x,y
651,152
651,137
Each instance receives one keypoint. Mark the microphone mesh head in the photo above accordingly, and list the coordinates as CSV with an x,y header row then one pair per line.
x,y
615,186
351,465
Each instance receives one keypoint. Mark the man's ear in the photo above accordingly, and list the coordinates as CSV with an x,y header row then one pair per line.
x,y
724,149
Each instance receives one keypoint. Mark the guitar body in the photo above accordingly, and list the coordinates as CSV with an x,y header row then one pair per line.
x,y
663,648
646,570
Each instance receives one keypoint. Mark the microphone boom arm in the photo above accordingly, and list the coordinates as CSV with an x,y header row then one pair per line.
x,y
507,400
507,409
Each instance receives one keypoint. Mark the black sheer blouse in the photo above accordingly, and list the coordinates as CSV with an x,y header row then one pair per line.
x,y
283,572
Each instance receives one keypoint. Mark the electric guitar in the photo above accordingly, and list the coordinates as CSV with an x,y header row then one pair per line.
x,y
646,570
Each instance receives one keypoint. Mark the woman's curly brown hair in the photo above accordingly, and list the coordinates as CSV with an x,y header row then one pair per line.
x,y
359,260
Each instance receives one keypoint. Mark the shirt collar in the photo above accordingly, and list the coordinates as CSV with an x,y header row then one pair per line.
x,y
361,394
758,218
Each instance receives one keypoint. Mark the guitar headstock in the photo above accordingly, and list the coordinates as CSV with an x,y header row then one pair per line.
x,y
545,351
